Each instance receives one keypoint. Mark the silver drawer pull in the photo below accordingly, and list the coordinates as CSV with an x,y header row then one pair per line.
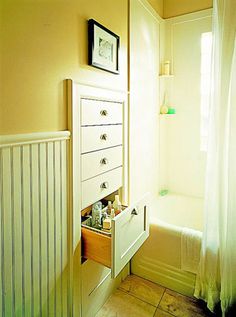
x,y
104,161
104,185
103,136
104,113
134,212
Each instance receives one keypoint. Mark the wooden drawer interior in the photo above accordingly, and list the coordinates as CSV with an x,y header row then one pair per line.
x,y
96,247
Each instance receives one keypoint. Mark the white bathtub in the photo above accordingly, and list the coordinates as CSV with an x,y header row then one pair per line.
x,y
159,259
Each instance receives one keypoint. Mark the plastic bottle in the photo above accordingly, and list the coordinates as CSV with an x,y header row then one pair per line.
x,y
109,207
117,205
97,215
164,109
112,213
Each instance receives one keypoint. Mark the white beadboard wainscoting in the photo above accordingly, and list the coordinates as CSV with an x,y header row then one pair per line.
x,y
34,266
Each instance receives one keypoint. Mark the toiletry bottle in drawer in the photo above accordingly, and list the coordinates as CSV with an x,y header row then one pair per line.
x,y
117,205
112,213
109,207
97,215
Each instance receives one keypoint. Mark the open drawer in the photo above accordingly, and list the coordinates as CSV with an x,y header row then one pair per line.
x,y
129,230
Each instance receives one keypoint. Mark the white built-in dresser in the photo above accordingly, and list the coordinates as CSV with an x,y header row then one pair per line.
x,y
101,149
98,123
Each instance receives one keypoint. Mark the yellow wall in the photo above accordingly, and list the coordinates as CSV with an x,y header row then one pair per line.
x,y
44,42
173,8
157,5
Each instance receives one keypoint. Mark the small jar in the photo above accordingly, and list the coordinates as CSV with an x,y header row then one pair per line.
x,y
166,68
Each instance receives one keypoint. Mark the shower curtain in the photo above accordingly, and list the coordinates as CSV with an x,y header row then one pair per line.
x,y
216,278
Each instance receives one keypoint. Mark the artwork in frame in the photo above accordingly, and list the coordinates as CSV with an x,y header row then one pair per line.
x,y
103,47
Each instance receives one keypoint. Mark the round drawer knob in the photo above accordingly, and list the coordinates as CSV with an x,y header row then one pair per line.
x,y
103,136
104,113
104,185
104,161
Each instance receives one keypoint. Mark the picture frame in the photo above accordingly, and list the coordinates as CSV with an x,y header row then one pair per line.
x,y
103,47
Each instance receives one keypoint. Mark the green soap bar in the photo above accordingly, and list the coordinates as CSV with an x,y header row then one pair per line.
x,y
163,192
171,111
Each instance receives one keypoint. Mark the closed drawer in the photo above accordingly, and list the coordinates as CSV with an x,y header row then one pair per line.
x,y
129,231
95,163
100,137
95,112
100,186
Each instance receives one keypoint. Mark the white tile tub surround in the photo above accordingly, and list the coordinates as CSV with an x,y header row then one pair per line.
x,y
182,163
159,259
33,231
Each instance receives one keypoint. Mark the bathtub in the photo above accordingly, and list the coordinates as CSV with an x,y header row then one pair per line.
x,y
159,259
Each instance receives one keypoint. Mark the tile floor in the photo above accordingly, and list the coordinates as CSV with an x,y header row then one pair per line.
x,y
137,297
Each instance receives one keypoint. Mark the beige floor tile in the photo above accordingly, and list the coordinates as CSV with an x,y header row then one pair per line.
x,y
143,289
121,304
181,306
161,313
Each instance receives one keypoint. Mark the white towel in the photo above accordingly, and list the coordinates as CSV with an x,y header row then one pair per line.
x,y
190,249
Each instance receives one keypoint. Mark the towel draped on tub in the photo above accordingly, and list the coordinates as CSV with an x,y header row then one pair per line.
x,y
191,241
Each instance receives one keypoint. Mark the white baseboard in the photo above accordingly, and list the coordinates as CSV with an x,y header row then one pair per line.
x,y
164,274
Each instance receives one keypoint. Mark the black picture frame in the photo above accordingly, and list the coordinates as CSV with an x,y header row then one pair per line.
x,y
103,47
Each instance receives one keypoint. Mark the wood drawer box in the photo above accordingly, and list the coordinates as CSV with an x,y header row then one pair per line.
x,y
100,137
95,163
129,230
96,246
100,186
97,112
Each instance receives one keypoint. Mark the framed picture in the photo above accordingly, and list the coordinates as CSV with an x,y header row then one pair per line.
x,y
103,47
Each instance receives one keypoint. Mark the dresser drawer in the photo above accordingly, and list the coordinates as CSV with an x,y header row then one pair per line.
x,y
95,163
100,137
96,112
129,230
100,186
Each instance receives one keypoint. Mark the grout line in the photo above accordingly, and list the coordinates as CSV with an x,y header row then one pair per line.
x,y
130,294
155,311
161,297
165,311
144,301
143,278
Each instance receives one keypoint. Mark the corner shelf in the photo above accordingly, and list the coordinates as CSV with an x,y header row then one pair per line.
x,y
166,76
167,115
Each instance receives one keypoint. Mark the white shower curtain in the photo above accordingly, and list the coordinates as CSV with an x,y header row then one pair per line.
x,y
216,278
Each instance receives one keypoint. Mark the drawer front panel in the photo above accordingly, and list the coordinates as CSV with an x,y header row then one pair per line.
x,y
100,186
95,112
99,162
129,230
96,138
